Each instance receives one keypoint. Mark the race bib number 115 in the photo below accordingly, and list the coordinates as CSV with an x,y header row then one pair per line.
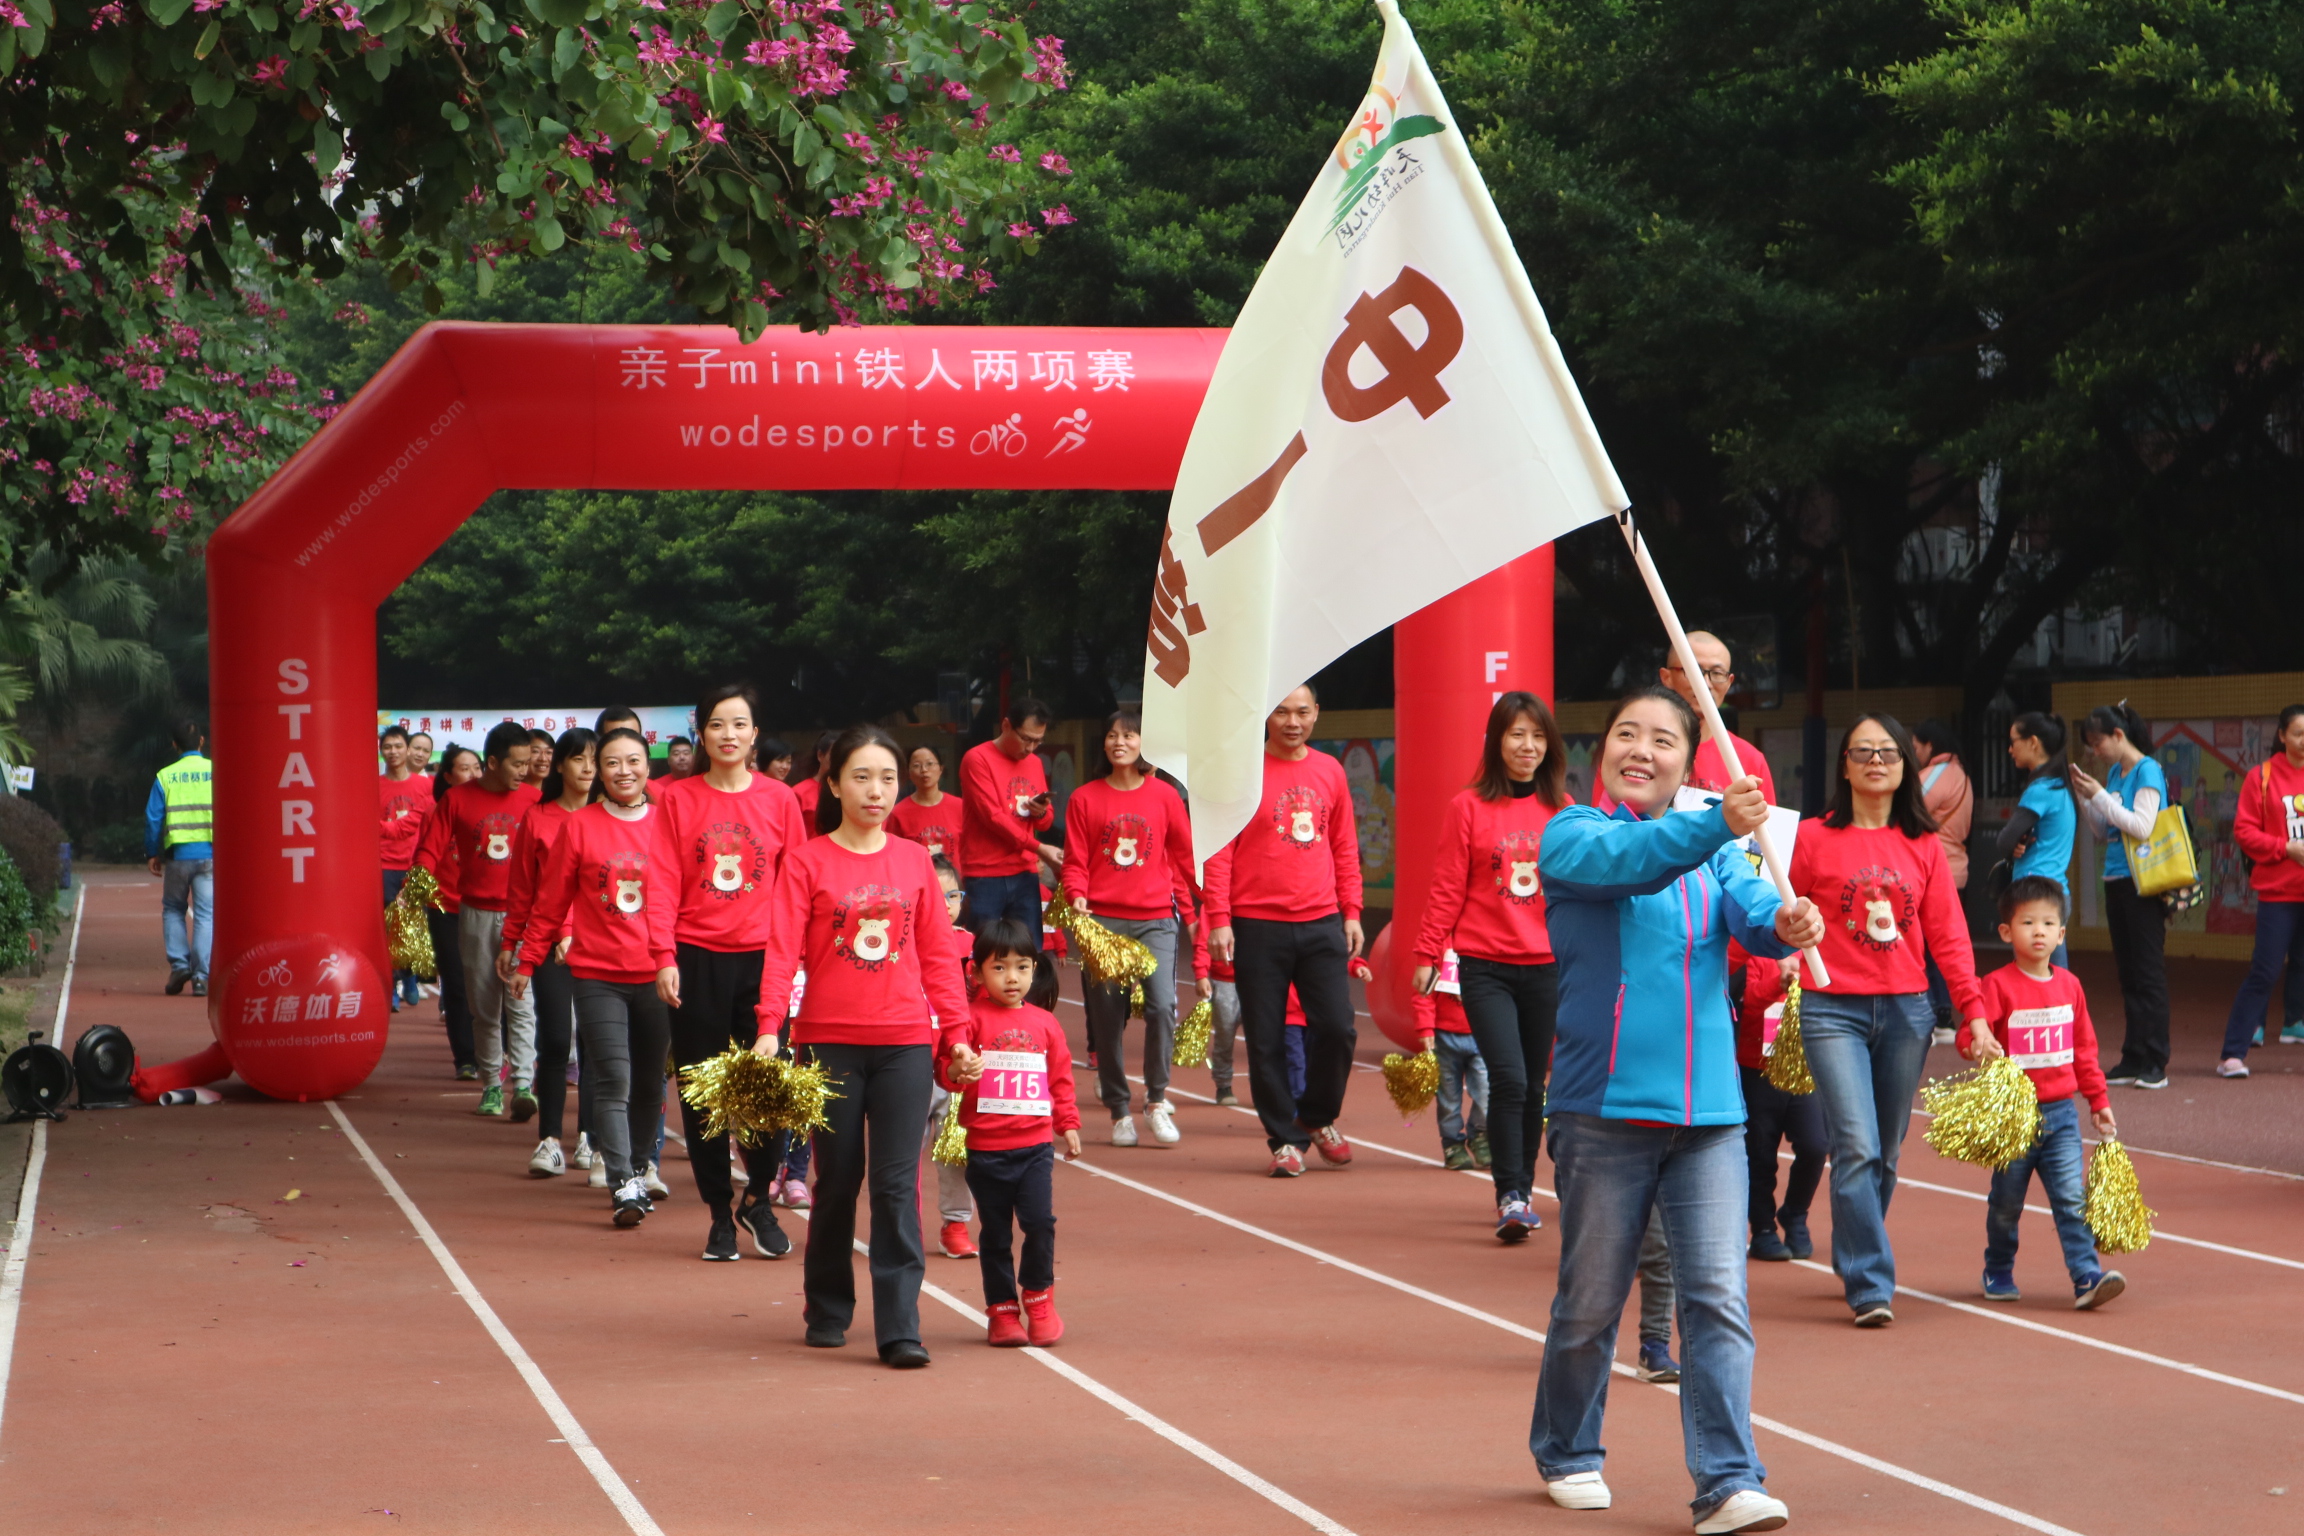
x,y
1014,1083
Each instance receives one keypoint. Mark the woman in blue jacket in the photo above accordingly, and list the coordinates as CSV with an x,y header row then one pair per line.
x,y
1645,1103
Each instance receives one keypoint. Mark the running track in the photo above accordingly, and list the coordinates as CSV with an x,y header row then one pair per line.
x,y
1348,1352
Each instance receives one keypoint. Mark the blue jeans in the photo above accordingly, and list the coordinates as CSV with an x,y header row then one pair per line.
x,y
2058,1159
1610,1173
2279,944
992,897
1866,1054
1461,1071
188,884
1299,1074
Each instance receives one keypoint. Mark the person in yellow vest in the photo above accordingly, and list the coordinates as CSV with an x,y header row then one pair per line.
x,y
179,823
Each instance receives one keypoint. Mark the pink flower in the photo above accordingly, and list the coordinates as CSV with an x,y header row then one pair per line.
x,y
1048,65
712,132
1060,214
865,149
11,15
271,71
1022,231
1055,164
952,88
1007,152
347,18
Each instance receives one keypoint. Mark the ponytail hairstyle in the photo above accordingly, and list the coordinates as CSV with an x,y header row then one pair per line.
x,y
2104,719
573,743
444,777
616,733
2047,728
1495,780
844,745
817,758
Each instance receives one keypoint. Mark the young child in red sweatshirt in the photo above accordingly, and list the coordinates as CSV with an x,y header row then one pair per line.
x,y
2039,1015
1447,1033
1013,1114
1773,1117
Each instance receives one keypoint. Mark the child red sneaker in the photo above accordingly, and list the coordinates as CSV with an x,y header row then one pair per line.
x,y
1040,1308
956,1242
1007,1327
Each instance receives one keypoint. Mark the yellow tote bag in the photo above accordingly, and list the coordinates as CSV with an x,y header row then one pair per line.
x,y
2163,862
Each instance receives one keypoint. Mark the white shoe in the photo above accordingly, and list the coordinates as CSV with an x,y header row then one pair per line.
x,y
737,1172
599,1175
1747,1509
654,1183
2232,1066
1124,1132
584,1154
1163,1123
1580,1490
546,1163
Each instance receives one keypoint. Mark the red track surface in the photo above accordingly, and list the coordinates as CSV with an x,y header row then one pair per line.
x,y
198,1352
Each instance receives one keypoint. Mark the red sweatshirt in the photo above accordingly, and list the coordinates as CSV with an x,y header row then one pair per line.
x,y
1299,856
806,793
446,872
996,831
1436,1011
2268,817
401,806
1128,852
1486,899
1763,989
1880,891
532,849
1202,963
1025,1096
2044,1027
869,928
477,823
934,827
727,850
610,885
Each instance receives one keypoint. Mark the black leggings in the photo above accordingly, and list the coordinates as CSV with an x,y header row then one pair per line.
x,y
2139,926
719,998
626,1035
1269,956
555,1027
455,1007
876,1125
1015,1188
1771,1117
1512,1010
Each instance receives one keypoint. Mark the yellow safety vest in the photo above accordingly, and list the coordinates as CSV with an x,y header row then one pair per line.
x,y
185,786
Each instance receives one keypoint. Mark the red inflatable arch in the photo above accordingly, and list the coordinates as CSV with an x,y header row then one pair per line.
x,y
299,982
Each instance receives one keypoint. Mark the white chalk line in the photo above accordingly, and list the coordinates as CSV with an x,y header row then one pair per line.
x,y
28,1197
540,1387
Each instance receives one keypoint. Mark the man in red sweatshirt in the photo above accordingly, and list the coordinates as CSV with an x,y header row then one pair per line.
x,y
477,821
403,799
1283,904
1004,805
1709,771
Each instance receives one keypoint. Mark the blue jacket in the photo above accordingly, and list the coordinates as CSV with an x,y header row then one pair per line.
x,y
1640,914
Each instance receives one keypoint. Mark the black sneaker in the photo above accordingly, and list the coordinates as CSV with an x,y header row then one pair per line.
x,y
826,1336
1226,1098
904,1354
2123,1075
758,1217
1796,1236
630,1204
199,986
1769,1247
2157,1077
720,1247
176,980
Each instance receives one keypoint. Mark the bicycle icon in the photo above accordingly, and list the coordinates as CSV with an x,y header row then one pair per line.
x,y
1002,437
276,974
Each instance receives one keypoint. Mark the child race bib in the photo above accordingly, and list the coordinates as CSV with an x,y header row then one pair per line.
x,y
2041,1037
1014,1083
1771,1025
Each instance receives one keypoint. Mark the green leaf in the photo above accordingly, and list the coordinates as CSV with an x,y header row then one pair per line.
x,y
567,48
484,277
830,121
559,13
108,60
328,145
167,12
454,117
208,37
721,20
549,235
806,142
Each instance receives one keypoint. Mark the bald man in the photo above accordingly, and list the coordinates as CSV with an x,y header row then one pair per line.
x,y
1717,667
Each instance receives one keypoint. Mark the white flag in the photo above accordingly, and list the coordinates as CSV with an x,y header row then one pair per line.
x,y
1390,420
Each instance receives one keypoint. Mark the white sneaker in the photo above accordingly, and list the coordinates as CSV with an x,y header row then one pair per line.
x,y
1747,1509
2232,1066
546,1163
1580,1490
654,1183
1163,1123
599,1175
584,1154
1124,1132
737,1172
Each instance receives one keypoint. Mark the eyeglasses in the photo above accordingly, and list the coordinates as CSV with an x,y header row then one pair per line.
x,y
1874,755
1712,675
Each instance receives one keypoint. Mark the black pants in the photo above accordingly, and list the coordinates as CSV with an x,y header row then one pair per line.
x,y
1512,1010
1771,1117
455,1008
2139,926
719,999
1268,956
626,1033
555,992
1015,1187
876,1125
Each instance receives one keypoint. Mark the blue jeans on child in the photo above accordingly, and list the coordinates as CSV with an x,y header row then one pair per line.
x,y
1297,1073
1865,1053
1461,1071
1610,1173
2059,1160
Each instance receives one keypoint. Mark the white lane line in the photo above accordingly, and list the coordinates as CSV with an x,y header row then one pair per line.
x,y
619,1493
28,1198
1815,1442
2002,1315
1151,1421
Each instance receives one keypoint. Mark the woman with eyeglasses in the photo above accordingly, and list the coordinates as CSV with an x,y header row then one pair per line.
x,y
1874,865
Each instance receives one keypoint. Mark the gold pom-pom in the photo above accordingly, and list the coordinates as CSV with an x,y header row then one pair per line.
x,y
1106,959
1194,1035
1988,1115
2114,1204
1413,1081
951,1147
407,934
753,1096
1788,1062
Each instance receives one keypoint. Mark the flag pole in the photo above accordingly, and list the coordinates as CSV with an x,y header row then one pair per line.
x,y
1683,653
